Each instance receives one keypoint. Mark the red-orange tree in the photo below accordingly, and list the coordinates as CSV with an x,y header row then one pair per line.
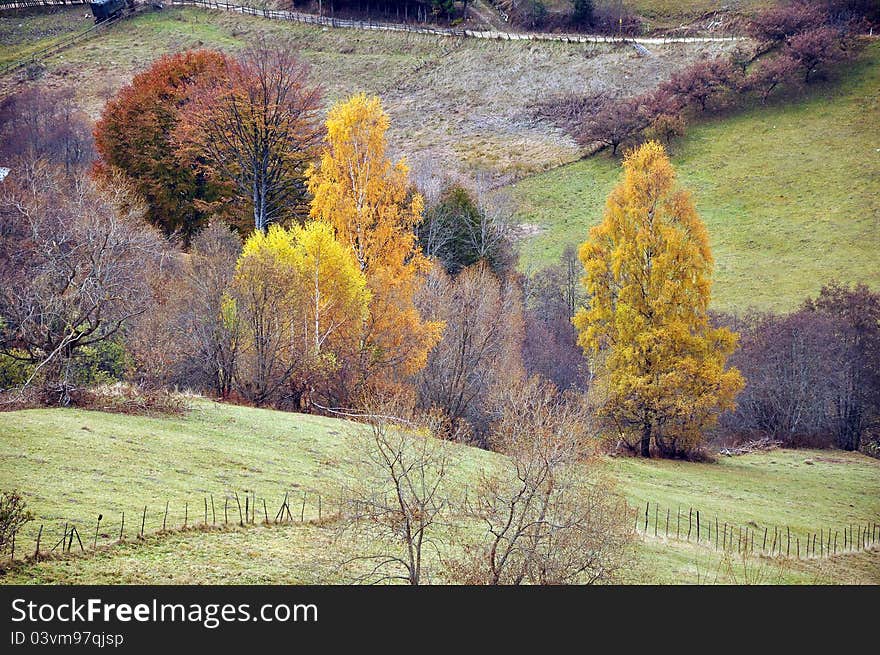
x,y
134,136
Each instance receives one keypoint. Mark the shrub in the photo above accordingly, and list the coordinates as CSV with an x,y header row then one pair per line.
x,y
13,515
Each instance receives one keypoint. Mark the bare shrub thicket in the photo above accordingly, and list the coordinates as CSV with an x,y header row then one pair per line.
x,y
39,123
190,337
812,375
546,516
75,257
550,349
397,507
480,348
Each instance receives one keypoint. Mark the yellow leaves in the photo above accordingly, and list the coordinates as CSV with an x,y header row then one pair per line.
x,y
648,269
372,208
314,280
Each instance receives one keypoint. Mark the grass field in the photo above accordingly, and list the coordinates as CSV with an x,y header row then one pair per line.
x,y
457,106
74,464
789,193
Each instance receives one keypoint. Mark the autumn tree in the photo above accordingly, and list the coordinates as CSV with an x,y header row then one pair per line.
x,y
613,123
134,134
813,49
74,257
258,129
659,364
770,73
300,301
480,347
369,202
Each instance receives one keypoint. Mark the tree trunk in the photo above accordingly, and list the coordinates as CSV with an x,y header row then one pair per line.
x,y
646,440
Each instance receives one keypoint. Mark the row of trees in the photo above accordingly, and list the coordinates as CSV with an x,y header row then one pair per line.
x,y
795,44
813,375
345,285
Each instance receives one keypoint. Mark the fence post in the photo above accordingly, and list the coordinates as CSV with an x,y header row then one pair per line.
x,y
213,513
647,505
37,549
302,512
698,526
667,523
122,527
143,521
164,518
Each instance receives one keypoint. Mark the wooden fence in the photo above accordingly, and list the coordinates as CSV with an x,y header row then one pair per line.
x,y
749,538
304,506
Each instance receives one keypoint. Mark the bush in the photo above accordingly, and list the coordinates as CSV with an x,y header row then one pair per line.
x,y
13,515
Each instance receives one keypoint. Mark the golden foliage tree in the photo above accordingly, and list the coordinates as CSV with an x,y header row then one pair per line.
x,y
369,202
660,365
300,300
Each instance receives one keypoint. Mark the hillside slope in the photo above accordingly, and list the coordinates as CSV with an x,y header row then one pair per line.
x,y
73,464
456,105
788,192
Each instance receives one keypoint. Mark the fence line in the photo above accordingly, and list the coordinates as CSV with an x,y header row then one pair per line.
x,y
34,57
695,527
750,538
328,21
313,507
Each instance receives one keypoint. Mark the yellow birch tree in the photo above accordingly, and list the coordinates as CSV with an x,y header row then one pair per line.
x,y
660,366
369,202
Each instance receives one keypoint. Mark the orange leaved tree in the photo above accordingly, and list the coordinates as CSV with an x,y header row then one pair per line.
x,y
133,135
369,202
660,365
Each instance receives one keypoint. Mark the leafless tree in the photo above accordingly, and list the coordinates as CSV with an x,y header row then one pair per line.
x,y
213,333
259,129
548,518
74,268
553,294
613,123
481,342
38,123
397,509
768,74
814,49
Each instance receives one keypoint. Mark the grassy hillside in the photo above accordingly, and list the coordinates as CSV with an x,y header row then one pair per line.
x,y
789,193
74,464
456,105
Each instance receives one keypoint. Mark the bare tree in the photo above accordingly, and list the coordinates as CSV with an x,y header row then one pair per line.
x,y
548,518
768,74
38,123
399,505
259,128
213,333
481,343
550,348
613,123
73,273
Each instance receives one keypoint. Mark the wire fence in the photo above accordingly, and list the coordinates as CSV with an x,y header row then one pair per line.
x,y
750,538
299,505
